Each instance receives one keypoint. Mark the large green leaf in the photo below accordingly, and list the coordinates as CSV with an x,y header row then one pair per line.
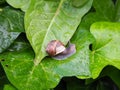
x,y
23,4
106,49
47,20
25,75
11,25
96,16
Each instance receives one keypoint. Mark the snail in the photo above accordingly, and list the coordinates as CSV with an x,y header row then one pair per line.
x,y
57,50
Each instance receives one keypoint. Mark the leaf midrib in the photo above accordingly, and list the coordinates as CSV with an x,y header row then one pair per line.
x,y
51,23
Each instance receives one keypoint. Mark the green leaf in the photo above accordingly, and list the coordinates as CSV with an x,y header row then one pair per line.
x,y
117,8
23,4
9,87
102,10
99,13
106,49
24,74
48,20
92,17
11,25
105,9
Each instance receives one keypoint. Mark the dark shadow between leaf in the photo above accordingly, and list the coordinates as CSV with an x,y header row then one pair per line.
x,y
90,47
2,60
92,10
61,86
114,1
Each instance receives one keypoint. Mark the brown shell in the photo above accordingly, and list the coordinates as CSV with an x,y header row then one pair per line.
x,y
55,47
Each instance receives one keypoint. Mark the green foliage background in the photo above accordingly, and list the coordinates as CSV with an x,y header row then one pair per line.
x,y
26,26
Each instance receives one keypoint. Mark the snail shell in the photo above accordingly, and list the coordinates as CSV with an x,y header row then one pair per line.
x,y
55,47
57,50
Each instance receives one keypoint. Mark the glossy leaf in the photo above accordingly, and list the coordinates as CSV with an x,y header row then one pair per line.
x,y
11,25
48,20
92,17
106,50
97,15
101,14
23,4
24,74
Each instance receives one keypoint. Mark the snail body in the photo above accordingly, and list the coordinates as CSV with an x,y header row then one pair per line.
x,y
57,50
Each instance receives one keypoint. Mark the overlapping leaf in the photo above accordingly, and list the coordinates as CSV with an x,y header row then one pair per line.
x,y
23,74
97,15
11,25
102,10
106,49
